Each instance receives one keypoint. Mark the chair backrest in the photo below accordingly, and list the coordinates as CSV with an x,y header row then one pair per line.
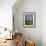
x,y
29,43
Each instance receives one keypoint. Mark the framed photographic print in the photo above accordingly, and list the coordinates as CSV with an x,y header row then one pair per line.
x,y
29,19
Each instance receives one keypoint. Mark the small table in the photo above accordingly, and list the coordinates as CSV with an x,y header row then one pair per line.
x,y
2,40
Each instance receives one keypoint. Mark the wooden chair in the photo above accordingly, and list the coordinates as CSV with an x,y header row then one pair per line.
x,y
29,43
18,39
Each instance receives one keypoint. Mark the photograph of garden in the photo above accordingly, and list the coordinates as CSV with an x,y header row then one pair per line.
x,y
29,19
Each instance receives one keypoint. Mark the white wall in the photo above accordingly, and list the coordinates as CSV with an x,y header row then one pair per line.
x,y
6,13
29,33
43,22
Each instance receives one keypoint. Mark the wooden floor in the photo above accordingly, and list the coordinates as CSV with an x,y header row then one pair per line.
x,y
9,43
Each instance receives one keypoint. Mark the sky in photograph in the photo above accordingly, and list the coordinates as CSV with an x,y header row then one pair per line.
x,y
30,16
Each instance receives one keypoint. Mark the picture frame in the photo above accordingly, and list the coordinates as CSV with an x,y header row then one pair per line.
x,y
29,19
